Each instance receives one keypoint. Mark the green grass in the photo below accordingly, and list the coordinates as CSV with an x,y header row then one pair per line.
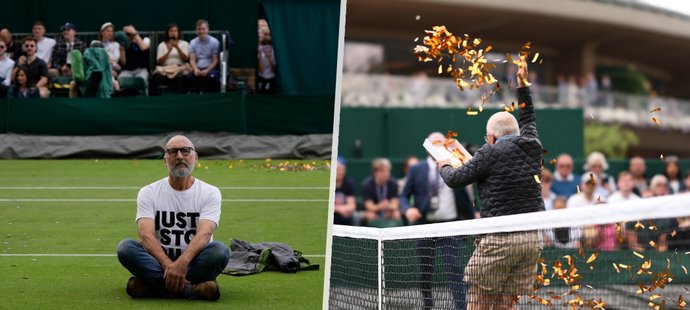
x,y
95,227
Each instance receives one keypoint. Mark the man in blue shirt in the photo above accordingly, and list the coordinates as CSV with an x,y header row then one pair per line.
x,y
565,182
203,57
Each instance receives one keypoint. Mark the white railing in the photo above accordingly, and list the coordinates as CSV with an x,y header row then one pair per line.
x,y
367,90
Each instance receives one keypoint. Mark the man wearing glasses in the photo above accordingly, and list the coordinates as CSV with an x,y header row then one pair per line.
x,y
36,68
176,256
565,182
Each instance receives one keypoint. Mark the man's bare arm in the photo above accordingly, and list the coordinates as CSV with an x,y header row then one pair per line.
x,y
147,234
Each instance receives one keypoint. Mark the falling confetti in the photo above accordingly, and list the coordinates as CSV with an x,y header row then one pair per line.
x,y
656,121
592,257
536,178
655,110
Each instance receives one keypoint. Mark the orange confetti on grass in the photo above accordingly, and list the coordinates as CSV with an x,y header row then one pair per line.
x,y
592,257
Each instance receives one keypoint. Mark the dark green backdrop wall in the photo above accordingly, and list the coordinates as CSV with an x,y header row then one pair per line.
x,y
238,17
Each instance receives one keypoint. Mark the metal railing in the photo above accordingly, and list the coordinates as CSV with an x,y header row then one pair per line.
x,y
365,90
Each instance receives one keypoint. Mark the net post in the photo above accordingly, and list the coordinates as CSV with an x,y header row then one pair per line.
x,y
379,249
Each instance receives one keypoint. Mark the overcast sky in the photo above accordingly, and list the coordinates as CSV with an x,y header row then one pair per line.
x,y
680,6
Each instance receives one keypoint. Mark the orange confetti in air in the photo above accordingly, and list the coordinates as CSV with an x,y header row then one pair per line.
x,y
536,178
684,269
661,156
655,110
681,302
616,267
655,296
591,179
578,190
592,257
536,56
638,225
638,254
656,121
652,243
552,162
522,105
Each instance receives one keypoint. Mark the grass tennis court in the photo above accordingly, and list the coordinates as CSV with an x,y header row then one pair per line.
x,y
84,207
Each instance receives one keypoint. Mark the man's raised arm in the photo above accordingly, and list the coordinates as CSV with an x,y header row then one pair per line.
x,y
528,119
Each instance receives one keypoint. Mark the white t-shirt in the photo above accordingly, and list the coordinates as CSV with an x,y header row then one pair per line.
x,y
174,57
6,66
45,49
618,197
113,50
446,197
176,213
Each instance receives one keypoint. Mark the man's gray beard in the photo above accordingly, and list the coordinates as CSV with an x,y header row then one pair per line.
x,y
181,172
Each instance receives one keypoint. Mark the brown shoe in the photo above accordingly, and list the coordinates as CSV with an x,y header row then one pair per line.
x,y
208,290
137,289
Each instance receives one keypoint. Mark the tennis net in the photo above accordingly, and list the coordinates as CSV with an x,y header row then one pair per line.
x,y
628,255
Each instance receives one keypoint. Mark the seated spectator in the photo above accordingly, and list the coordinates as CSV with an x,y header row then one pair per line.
x,y
586,197
204,59
345,201
135,59
62,63
45,45
95,78
21,87
673,175
686,181
35,68
637,170
6,66
13,50
565,237
172,59
546,193
659,185
266,79
380,193
625,188
564,180
596,165
114,50
409,162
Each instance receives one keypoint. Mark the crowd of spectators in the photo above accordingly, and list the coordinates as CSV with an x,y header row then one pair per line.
x,y
36,65
420,198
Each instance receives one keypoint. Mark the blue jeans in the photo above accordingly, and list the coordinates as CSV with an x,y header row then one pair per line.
x,y
204,267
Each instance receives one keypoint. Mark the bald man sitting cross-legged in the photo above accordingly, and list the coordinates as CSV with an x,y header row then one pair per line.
x,y
176,256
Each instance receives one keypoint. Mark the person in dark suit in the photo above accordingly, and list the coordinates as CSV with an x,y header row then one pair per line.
x,y
434,202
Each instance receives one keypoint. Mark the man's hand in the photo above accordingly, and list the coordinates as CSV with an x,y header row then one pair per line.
x,y
442,163
522,73
129,30
383,205
174,275
413,215
22,60
197,72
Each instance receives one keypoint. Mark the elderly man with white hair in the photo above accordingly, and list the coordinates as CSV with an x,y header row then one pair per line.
x,y
176,256
596,167
506,171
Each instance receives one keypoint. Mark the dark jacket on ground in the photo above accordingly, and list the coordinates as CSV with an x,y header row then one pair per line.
x,y
504,171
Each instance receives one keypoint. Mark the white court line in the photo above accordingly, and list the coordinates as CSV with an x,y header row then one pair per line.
x,y
135,187
134,200
97,255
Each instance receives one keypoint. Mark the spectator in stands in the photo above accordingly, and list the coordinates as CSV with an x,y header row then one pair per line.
x,y
172,59
114,50
62,62
203,57
345,201
564,180
591,88
35,68
13,50
546,193
673,174
435,202
587,197
96,80
45,44
596,165
6,66
21,87
659,185
409,162
267,61
625,189
637,169
380,193
565,237
686,181
572,92
135,59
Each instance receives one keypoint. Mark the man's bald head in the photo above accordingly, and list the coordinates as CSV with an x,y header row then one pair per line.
x,y
179,141
436,136
502,124
5,35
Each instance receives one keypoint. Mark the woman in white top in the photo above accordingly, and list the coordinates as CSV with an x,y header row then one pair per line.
x,y
597,165
107,37
172,59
